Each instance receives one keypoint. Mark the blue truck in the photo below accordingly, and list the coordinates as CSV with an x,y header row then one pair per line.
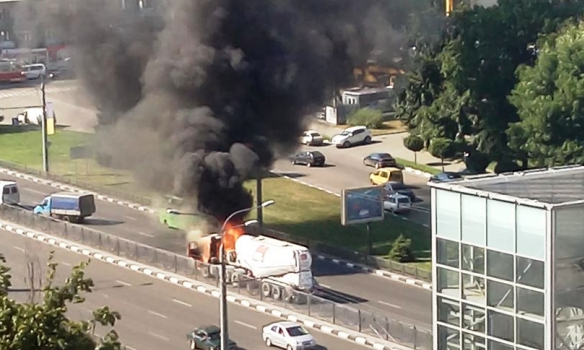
x,y
65,206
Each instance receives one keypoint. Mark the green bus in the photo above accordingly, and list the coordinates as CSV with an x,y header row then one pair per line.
x,y
172,217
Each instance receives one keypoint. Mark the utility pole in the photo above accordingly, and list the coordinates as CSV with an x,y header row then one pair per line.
x,y
259,200
44,129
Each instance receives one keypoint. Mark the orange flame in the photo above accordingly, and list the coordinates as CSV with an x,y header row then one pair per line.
x,y
233,230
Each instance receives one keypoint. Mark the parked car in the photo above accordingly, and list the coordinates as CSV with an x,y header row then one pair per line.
x,y
308,158
34,71
397,203
398,187
207,338
312,138
383,175
379,160
352,136
287,335
447,176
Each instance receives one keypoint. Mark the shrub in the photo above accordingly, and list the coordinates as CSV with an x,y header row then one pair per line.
x,y
506,166
401,250
477,162
371,118
415,144
441,148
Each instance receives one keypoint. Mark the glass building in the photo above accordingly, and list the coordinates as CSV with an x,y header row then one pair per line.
x,y
508,260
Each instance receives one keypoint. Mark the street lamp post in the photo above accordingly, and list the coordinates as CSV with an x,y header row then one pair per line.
x,y
223,298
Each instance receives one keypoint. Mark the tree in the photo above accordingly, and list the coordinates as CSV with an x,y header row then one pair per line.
x,y
441,148
477,161
44,325
476,72
415,144
550,102
401,250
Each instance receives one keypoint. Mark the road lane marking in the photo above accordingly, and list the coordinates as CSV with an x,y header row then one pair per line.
x,y
390,305
145,234
130,217
129,347
19,249
65,263
124,283
246,325
158,336
157,314
182,302
324,285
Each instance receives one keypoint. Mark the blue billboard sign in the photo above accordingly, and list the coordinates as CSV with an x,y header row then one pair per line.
x,y
362,205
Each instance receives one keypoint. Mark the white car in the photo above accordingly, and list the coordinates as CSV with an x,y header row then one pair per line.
x,y
312,138
287,335
397,203
352,136
34,71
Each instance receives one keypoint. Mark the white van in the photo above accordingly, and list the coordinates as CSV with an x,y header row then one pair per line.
x,y
10,194
34,71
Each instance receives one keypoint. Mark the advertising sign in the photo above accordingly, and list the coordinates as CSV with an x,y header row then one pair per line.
x,y
362,205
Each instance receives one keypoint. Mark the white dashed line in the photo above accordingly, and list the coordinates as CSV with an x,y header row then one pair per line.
x,y
156,314
246,325
390,305
124,283
158,336
182,303
19,249
145,234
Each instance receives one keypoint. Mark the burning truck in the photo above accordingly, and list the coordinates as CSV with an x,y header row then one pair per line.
x,y
277,267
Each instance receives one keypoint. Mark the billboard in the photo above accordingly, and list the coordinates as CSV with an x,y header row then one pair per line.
x,y
362,205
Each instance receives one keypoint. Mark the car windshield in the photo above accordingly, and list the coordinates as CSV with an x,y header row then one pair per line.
x,y
384,156
397,187
214,336
296,331
453,176
315,134
403,200
317,154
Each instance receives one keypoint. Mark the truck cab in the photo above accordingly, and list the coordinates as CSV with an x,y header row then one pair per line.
x,y
9,192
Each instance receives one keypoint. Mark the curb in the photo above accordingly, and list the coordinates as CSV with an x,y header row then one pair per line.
x,y
142,208
418,172
199,287
377,272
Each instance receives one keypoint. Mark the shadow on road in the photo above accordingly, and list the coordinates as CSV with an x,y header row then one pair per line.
x,y
102,222
291,175
338,297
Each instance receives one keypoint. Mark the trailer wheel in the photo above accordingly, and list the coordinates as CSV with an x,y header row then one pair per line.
x,y
67,218
276,293
205,271
252,287
266,289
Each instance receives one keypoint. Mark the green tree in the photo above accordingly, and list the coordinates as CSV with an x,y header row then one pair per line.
x,y
415,144
550,102
401,250
441,148
371,118
44,325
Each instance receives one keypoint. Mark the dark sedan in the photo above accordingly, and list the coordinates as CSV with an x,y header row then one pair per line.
x,y
379,160
446,176
308,158
397,187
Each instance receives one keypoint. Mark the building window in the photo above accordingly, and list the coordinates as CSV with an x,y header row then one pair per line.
x,y
5,14
501,225
530,303
501,326
474,219
473,259
501,295
473,342
448,338
447,252
495,345
530,333
448,215
500,265
531,231
448,282
449,311
26,36
473,289
473,318
530,272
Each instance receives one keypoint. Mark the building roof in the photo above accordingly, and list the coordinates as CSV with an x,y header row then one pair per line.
x,y
540,187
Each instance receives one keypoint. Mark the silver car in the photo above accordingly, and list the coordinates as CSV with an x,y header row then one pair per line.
x,y
287,335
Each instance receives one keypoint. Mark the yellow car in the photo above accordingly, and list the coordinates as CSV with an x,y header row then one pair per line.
x,y
384,175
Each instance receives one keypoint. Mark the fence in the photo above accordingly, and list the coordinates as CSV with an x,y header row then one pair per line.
x,y
315,246
315,305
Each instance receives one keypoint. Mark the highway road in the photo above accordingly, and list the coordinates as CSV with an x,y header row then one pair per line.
x,y
399,301
155,315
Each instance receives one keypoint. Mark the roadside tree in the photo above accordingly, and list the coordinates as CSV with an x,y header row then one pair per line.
x,y
441,148
45,325
415,144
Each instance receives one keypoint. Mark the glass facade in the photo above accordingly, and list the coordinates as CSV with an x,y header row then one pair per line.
x,y
490,275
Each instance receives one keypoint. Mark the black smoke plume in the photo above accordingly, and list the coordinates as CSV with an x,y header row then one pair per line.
x,y
199,95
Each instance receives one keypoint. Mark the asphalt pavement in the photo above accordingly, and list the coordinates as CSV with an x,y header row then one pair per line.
x,y
155,315
396,300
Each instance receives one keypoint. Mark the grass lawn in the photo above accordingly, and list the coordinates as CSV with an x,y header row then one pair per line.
x,y
299,210
390,127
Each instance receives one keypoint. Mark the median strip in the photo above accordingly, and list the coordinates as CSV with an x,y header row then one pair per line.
x,y
199,287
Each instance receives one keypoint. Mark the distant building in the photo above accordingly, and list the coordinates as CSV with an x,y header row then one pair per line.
x,y
377,98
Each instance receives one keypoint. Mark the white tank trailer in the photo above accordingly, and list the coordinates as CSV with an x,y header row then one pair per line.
x,y
279,266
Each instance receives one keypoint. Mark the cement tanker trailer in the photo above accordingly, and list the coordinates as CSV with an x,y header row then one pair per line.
x,y
276,267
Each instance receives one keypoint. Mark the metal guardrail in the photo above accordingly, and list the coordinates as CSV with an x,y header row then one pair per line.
x,y
347,316
354,256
